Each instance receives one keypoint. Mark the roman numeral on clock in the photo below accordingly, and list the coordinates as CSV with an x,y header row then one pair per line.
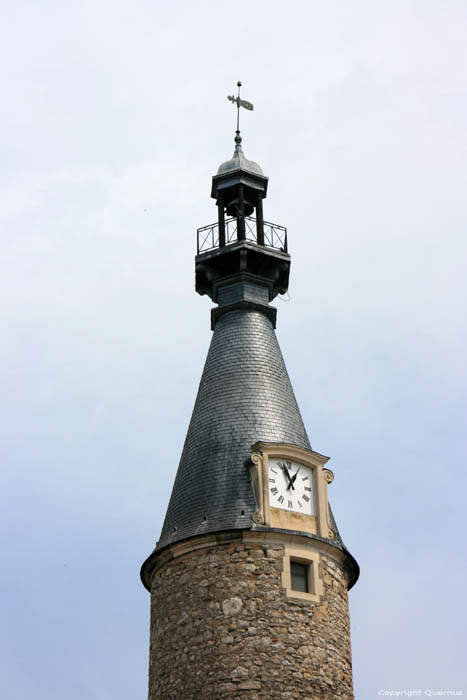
x,y
274,491
281,499
290,504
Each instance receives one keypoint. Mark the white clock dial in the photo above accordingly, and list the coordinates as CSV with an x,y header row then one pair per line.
x,y
291,486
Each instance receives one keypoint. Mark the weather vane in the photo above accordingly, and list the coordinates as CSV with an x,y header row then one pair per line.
x,y
240,103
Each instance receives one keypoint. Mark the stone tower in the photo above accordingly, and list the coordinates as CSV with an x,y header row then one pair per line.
x,y
249,578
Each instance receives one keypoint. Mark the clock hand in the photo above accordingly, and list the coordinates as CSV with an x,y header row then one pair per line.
x,y
294,476
290,484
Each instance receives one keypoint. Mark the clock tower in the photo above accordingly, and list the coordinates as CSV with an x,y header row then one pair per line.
x,y
250,575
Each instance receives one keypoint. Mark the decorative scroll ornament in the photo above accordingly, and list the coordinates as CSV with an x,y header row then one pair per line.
x,y
329,478
257,480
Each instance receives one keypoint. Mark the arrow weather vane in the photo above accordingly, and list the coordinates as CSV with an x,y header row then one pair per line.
x,y
240,103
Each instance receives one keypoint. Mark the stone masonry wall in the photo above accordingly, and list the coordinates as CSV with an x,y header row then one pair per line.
x,y
222,627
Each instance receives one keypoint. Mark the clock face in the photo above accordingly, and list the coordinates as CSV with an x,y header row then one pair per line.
x,y
291,486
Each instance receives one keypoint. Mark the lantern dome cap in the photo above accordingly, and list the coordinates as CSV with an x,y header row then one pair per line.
x,y
238,161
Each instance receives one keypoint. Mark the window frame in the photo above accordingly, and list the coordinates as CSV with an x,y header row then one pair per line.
x,y
311,561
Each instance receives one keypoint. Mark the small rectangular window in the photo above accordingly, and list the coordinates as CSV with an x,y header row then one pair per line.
x,y
299,576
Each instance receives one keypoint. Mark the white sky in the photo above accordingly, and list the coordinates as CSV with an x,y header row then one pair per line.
x,y
114,118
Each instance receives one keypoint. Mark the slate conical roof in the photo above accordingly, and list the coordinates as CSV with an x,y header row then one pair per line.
x,y
245,395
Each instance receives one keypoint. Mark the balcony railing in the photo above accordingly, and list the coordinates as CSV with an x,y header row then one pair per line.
x,y
275,236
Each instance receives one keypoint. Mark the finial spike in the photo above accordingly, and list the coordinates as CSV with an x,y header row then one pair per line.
x,y
240,103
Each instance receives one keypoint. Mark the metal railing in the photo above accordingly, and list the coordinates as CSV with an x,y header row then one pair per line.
x,y
275,236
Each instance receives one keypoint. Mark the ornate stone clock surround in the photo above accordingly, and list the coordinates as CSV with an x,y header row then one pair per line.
x,y
269,516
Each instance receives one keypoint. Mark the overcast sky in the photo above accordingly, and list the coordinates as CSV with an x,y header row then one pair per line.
x,y
114,118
